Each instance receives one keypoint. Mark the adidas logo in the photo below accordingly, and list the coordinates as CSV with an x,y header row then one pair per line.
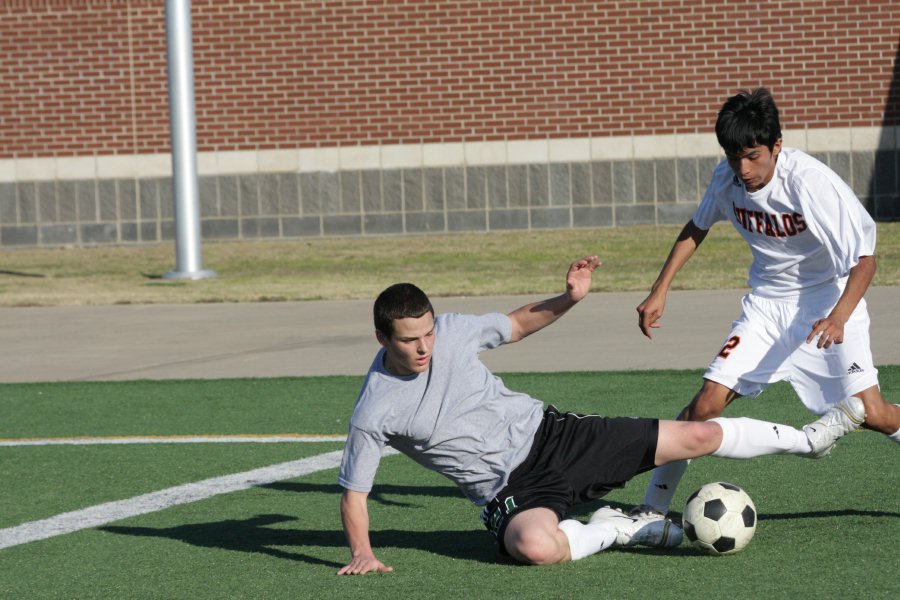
x,y
854,368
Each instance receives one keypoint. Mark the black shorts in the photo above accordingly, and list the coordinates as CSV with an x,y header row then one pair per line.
x,y
574,458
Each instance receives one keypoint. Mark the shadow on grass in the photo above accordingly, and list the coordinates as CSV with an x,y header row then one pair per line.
x,y
825,514
21,274
256,535
379,494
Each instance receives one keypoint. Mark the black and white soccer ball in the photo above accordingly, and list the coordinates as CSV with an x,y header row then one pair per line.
x,y
719,518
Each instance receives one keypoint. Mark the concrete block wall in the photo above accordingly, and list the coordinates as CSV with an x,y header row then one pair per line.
x,y
251,203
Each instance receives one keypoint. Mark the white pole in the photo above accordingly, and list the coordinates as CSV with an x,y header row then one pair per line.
x,y
185,189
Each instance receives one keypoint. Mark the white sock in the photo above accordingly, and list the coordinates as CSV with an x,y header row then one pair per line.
x,y
747,438
663,483
896,435
587,538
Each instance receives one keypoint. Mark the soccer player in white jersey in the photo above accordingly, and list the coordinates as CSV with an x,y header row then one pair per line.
x,y
805,318
428,395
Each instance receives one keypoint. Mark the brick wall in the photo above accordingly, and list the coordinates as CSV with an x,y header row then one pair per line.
x,y
89,76
377,117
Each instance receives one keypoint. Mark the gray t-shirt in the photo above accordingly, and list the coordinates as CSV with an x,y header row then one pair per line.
x,y
456,418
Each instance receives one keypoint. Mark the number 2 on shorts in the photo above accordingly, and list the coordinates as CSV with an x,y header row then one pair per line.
x,y
730,345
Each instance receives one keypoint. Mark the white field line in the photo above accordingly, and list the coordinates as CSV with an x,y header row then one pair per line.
x,y
101,514
172,439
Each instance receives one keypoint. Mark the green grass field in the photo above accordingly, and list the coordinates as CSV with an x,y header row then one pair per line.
x,y
827,528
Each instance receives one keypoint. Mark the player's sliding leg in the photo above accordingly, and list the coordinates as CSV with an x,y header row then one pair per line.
x,y
680,441
644,530
588,538
742,438
536,536
748,438
727,438
733,438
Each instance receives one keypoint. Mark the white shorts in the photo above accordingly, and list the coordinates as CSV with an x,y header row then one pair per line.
x,y
767,344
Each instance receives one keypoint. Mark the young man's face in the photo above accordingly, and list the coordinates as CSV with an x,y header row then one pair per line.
x,y
408,350
755,166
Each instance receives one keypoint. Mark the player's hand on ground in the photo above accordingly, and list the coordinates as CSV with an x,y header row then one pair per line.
x,y
650,311
578,279
826,331
363,564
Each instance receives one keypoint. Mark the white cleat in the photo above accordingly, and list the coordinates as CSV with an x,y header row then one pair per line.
x,y
844,417
645,530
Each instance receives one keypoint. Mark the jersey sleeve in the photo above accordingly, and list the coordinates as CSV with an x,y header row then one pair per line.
x,y
486,331
362,455
837,218
711,209
496,330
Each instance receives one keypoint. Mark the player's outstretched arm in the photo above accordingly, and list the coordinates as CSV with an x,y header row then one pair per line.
x,y
355,516
650,311
537,315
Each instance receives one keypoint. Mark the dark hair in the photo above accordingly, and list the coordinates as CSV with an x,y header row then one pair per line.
x,y
748,119
400,301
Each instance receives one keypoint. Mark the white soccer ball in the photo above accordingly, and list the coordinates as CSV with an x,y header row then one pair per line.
x,y
719,518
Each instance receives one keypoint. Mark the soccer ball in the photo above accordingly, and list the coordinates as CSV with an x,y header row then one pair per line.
x,y
719,518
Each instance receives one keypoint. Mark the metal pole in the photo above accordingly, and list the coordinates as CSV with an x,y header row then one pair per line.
x,y
185,189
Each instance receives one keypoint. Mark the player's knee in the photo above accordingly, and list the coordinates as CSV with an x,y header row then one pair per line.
x,y
534,546
702,438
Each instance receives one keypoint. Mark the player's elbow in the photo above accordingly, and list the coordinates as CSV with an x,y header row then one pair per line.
x,y
517,331
516,336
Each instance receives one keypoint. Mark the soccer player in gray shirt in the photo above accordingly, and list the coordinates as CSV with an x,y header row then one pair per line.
x,y
428,395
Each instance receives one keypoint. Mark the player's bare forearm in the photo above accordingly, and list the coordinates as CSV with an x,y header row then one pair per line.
x,y
683,249
858,282
534,317
830,330
355,517
650,311
537,315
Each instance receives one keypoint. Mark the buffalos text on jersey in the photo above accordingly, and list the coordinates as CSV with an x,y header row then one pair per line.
x,y
772,225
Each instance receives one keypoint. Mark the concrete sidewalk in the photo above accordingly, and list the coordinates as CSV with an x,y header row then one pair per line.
x,y
210,341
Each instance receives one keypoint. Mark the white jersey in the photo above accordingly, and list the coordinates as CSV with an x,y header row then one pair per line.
x,y
806,228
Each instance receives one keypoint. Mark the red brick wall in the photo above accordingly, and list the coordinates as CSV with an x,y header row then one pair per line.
x,y
89,76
